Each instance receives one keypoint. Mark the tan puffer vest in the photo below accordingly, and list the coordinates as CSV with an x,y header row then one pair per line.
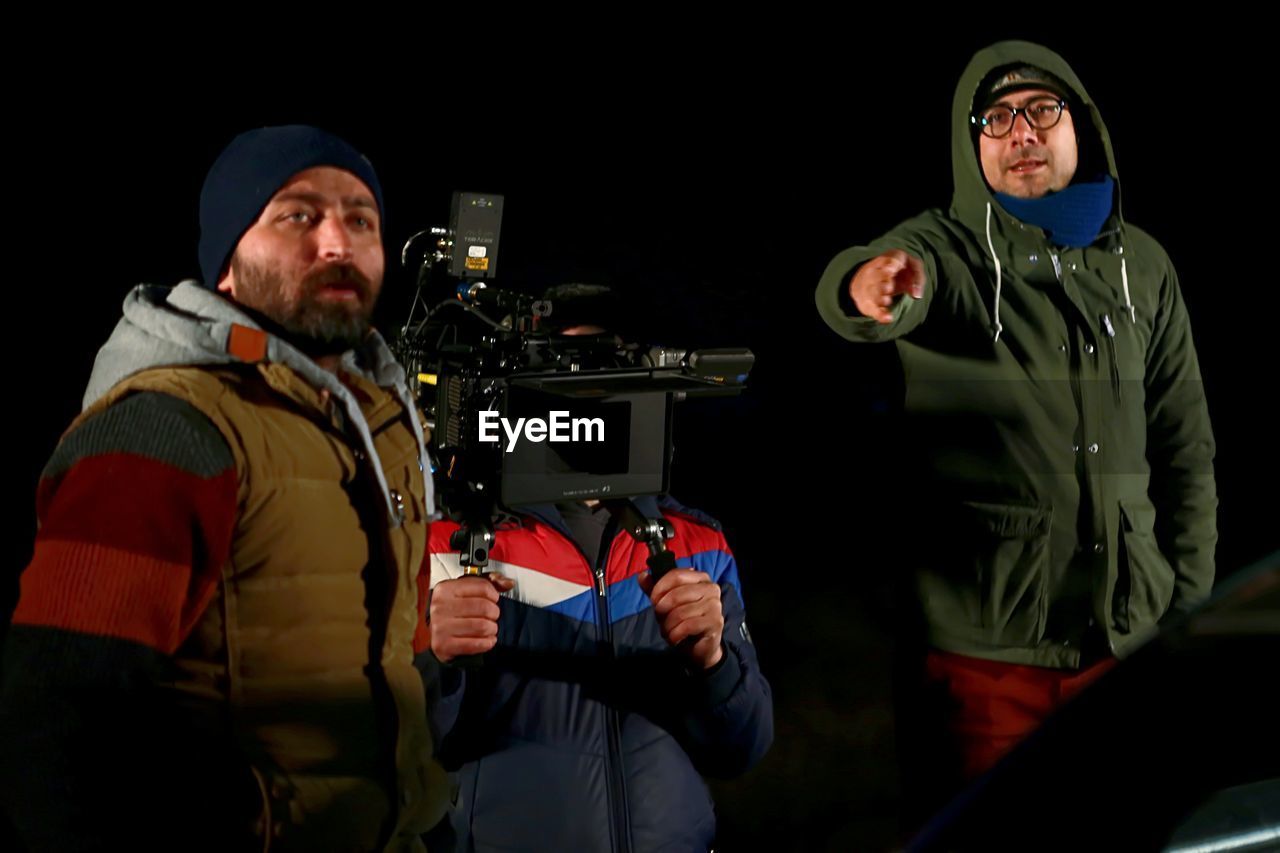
x,y
307,643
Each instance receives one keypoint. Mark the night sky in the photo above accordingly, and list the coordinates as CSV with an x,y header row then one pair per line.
x,y
708,175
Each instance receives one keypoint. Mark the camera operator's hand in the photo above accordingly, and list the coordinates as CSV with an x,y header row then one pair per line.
x,y
687,604
464,615
880,281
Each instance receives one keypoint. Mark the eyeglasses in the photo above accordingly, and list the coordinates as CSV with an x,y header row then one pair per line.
x,y
1040,113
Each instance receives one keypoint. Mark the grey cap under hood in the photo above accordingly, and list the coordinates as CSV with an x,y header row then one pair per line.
x,y
188,326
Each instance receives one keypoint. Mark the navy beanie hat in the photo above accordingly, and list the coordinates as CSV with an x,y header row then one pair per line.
x,y
248,173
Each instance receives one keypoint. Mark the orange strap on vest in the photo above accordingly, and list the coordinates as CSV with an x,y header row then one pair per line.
x,y
247,344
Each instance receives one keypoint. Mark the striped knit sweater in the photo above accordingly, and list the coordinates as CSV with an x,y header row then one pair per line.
x,y
136,511
137,508
120,727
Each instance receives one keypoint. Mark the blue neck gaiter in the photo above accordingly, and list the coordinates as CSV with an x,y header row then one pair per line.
x,y
1072,217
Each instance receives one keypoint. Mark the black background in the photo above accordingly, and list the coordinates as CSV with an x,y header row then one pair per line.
x,y
708,171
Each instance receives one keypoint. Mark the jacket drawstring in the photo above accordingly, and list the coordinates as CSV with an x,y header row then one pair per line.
x,y
992,248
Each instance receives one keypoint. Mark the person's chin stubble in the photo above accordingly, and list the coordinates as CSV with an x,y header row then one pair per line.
x,y
331,327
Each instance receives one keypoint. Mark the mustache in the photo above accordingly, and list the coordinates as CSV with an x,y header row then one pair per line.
x,y
344,275
1029,153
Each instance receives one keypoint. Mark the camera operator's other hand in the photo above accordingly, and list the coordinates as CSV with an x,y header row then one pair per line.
x,y
879,282
464,615
687,604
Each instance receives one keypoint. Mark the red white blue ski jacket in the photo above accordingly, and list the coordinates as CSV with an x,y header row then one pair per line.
x,y
583,730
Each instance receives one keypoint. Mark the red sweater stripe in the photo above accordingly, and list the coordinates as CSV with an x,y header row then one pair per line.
x,y
137,504
129,547
105,591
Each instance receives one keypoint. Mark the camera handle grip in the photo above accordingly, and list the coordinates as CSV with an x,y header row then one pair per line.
x,y
473,541
660,561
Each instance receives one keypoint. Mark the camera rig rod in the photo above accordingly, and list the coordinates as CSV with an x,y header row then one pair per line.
x,y
653,532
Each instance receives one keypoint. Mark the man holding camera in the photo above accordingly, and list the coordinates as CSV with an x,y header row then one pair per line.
x,y
214,644
1059,448
603,694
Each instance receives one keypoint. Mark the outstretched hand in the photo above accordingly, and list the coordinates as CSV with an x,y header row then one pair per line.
x,y
880,281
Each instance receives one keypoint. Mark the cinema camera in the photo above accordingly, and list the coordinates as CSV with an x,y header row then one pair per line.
x,y
591,414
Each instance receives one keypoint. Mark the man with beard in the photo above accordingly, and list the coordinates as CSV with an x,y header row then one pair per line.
x,y
1058,455
215,640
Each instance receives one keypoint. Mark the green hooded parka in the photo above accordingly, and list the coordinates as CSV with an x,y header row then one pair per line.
x,y
1064,456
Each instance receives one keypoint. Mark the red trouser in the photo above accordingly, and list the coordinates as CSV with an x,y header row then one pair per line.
x,y
960,714
994,705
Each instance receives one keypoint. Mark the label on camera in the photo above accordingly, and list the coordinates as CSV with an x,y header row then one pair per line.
x,y
477,251
477,263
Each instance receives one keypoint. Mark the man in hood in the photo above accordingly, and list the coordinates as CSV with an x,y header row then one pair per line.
x,y
215,639
1059,445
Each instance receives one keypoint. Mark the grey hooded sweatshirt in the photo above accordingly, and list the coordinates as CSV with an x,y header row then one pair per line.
x,y
188,325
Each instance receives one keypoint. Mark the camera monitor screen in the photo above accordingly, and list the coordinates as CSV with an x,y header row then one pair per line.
x,y
558,447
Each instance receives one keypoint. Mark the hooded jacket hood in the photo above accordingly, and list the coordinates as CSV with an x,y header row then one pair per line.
x,y
971,193
973,202
189,326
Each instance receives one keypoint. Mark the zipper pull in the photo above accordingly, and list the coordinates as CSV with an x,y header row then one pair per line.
x,y
601,590
1106,321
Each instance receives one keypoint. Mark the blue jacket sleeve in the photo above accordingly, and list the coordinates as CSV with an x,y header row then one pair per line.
x,y
728,725
445,687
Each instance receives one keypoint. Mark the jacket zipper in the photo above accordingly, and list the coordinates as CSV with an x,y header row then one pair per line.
x,y
615,780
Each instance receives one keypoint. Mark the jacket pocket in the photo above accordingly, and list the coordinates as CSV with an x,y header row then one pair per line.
x,y
1144,583
988,579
